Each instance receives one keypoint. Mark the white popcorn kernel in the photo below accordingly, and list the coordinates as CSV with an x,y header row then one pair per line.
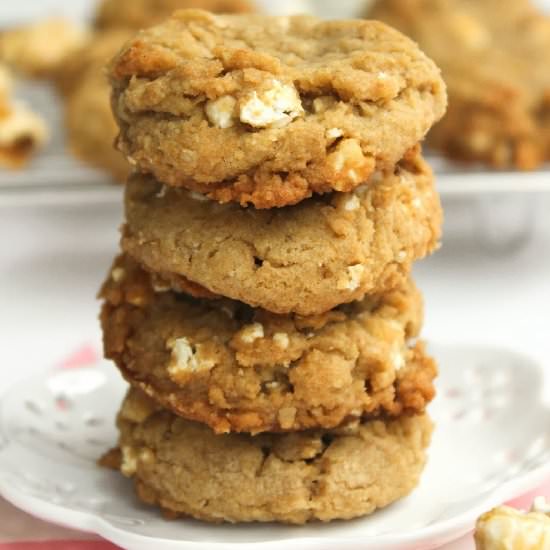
x,y
334,133
118,274
417,203
281,340
348,163
401,256
541,506
382,75
18,123
220,111
352,280
251,333
162,192
352,203
273,108
128,466
397,358
184,359
505,528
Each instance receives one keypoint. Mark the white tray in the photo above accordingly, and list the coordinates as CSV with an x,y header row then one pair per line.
x,y
54,427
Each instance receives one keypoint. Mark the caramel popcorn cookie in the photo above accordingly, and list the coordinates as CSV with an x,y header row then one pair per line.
x,y
494,55
40,48
140,14
187,470
306,258
269,110
239,369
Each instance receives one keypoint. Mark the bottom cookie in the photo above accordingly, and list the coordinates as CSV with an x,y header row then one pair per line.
x,y
187,470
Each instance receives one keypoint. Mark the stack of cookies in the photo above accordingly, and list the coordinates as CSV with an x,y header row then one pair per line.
x,y
262,309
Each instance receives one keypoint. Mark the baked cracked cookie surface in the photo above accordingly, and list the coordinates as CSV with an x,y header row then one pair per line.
x,y
140,14
265,110
187,470
494,55
239,369
305,259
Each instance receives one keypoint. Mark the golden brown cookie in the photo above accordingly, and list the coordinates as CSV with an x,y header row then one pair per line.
x,y
239,369
40,48
187,470
91,129
494,55
306,258
266,111
140,14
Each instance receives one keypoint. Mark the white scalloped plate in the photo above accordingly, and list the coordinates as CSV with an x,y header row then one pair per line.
x,y
53,428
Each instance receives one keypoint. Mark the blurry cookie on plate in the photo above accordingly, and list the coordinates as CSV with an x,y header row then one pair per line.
x,y
139,14
494,55
40,48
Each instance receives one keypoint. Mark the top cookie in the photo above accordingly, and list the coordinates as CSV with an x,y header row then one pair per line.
x,y
139,14
268,110
494,55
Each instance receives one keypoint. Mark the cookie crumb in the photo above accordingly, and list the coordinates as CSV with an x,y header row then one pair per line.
x,y
286,417
352,203
281,340
117,274
129,463
352,280
220,112
251,333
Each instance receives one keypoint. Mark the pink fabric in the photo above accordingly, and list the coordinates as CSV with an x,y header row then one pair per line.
x,y
59,545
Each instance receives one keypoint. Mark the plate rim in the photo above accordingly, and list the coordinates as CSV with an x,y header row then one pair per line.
x,y
443,532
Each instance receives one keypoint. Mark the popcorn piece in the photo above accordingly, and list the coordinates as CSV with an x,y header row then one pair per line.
x,y
281,340
353,279
21,133
352,203
129,463
397,358
334,133
505,528
348,164
286,417
185,359
273,108
220,112
118,274
251,333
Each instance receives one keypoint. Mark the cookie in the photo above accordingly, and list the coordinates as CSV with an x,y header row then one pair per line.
x,y
305,259
90,126
269,110
499,88
239,369
187,470
140,14
91,129
32,49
